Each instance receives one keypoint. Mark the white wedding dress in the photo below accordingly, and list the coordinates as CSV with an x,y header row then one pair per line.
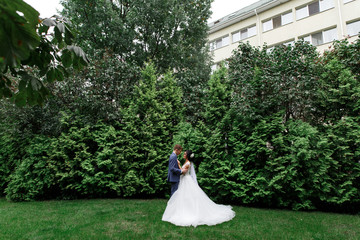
x,y
190,206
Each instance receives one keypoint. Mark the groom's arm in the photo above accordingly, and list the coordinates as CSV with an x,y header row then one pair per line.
x,y
174,168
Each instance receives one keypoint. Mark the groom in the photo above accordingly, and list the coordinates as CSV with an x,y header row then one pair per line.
x,y
174,171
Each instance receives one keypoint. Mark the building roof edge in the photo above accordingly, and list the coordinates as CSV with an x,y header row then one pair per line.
x,y
243,13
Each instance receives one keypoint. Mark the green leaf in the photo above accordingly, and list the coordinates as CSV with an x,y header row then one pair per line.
x,y
66,58
43,29
59,75
7,92
20,99
76,63
64,71
31,96
21,36
58,35
49,22
29,12
61,45
44,92
68,36
35,84
50,75
61,27
43,72
79,53
22,84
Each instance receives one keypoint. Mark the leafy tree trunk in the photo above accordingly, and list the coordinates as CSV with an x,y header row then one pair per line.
x,y
170,33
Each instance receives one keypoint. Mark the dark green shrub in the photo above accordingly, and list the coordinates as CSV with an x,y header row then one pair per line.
x,y
33,179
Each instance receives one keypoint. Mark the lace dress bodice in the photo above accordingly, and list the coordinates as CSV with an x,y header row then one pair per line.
x,y
183,166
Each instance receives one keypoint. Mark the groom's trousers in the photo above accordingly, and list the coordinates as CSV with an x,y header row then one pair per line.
x,y
174,187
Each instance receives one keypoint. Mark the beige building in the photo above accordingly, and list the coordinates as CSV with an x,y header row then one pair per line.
x,y
276,22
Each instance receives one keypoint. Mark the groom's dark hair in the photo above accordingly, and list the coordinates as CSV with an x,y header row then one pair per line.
x,y
177,147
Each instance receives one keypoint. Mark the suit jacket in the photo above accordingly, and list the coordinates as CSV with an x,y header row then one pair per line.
x,y
174,171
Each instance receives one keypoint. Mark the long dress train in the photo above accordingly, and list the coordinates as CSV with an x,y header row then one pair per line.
x,y
190,206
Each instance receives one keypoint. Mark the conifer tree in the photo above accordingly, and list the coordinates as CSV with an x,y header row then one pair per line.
x,y
148,127
216,164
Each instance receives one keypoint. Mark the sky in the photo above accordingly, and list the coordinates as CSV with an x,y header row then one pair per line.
x,y
46,8
220,8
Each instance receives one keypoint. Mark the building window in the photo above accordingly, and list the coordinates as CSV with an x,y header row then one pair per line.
x,y
213,68
252,31
268,25
307,39
302,13
270,49
212,46
330,35
289,43
346,1
218,65
244,33
236,37
353,28
314,8
224,41
287,18
286,44
322,37
277,21
317,39
219,43
326,4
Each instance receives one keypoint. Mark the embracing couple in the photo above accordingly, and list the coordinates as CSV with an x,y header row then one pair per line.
x,y
189,205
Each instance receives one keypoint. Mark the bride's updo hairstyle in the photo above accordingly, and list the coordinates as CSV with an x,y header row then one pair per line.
x,y
190,155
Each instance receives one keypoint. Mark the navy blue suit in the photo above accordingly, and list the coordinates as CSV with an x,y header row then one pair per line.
x,y
174,173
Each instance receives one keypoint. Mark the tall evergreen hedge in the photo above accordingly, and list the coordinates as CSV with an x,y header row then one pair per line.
x,y
279,129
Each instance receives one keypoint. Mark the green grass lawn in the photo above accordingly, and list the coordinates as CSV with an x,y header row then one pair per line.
x,y
141,219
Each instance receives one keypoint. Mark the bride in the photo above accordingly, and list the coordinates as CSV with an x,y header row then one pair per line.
x,y
190,206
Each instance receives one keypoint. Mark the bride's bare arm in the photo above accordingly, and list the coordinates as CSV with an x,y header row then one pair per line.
x,y
185,167
179,164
